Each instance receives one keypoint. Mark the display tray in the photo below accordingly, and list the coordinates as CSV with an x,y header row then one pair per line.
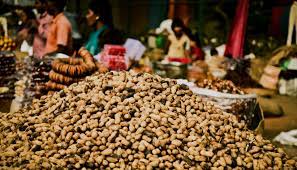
x,y
173,70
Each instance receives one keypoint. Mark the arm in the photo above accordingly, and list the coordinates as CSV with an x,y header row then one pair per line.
x,y
187,47
187,53
167,45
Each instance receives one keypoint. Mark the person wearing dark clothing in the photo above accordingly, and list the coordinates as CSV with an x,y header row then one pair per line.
x,y
99,17
28,26
43,20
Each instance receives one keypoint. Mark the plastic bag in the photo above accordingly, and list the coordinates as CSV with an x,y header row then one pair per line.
x,y
113,57
245,107
287,138
288,87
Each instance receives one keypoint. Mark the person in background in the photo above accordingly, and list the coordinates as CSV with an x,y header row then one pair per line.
x,y
214,52
59,39
217,64
196,52
43,21
28,26
179,42
99,17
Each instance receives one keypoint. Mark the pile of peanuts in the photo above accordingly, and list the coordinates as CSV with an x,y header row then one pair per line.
x,y
224,86
124,120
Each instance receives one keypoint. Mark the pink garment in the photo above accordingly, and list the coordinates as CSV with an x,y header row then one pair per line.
x,y
40,38
234,46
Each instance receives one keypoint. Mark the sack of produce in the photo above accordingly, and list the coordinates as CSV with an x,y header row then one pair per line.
x,y
245,107
268,81
272,70
226,96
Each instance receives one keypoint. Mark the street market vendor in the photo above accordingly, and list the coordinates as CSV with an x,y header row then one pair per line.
x,y
179,42
59,39
43,21
27,26
100,18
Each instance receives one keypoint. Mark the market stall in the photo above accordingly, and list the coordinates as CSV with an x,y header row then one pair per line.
x,y
164,101
8,62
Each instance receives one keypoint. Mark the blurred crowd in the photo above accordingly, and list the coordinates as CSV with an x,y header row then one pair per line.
x,y
48,30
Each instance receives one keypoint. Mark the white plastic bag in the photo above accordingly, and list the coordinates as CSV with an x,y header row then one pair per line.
x,y
287,138
134,49
245,107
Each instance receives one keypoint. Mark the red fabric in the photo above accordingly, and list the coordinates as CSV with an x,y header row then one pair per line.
x,y
275,27
181,60
235,42
197,53
278,9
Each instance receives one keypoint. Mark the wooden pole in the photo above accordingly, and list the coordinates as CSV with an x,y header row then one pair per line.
x,y
171,9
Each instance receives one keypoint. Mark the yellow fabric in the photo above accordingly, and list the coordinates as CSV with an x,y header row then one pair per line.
x,y
178,47
3,23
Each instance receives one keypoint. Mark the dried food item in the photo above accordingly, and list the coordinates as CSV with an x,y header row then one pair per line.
x,y
75,67
131,121
7,44
8,82
20,87
224,86
7,64
40,75
54,86
70,67
62,79
7,71
66,71
87,57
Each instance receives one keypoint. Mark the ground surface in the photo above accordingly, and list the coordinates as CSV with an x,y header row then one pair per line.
x,y
274,125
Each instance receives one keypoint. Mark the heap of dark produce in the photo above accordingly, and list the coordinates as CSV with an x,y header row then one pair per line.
x,y
40,71
122,120
7,71
224,86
